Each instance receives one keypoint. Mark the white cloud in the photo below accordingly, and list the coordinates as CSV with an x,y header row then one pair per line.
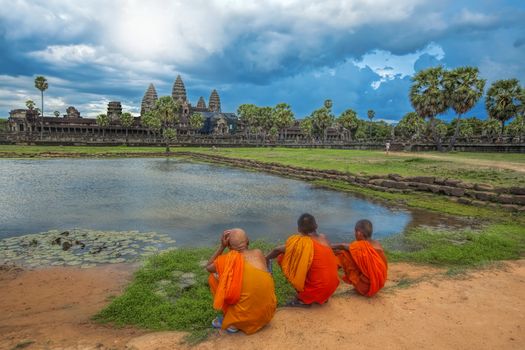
x,y
389,66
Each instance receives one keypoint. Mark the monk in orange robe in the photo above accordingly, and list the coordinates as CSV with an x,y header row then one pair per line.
x,y
308,263
363,261
242,287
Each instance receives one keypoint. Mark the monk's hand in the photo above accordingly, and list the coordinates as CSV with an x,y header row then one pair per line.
x,y
224,239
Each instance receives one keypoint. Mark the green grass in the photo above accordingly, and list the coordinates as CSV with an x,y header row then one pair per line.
x,y
189,310
452,165
462,248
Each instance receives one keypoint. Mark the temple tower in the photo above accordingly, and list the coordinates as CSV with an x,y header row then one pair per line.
x,y
201,103
215,102
114,110
179,91
149,100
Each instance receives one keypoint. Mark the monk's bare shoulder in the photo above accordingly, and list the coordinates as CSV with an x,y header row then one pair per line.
x,y
321,238
376,245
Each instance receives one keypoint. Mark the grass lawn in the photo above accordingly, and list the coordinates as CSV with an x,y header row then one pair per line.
x,y
493,168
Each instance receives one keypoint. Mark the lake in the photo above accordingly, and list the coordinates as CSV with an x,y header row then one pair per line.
x,y
191,202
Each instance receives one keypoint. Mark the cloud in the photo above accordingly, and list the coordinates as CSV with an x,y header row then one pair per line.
x,y
298,51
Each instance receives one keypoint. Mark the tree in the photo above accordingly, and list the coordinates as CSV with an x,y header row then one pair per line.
x,y
103,121
152,121
57,114
411,126
463,90
503,100
322,119
491,127
348,121
307,127
127,120
41,84
263,121
196,121
247,115
371,114
167,111
30,105
428,97
282,118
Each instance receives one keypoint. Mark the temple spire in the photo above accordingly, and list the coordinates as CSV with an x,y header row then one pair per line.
x,y
215,102
179,91
201,103
149,100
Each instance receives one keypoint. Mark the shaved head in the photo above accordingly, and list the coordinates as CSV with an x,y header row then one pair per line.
x,y
238,239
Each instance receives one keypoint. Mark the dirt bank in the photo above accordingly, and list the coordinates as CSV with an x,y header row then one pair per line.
x,y
420,308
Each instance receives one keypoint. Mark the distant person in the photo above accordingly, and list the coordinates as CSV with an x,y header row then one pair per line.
x,y
308,263
241,285
387,147
363,261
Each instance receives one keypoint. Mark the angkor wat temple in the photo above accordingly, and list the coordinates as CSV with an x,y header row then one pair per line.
x,y
26,121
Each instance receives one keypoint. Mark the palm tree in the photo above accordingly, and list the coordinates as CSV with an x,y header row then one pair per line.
x,y
502,100
282,117
371,114
307,127
103,121
41,84
349,122
196,121
56,113
167,110
247,115
427,96
127,120
463,89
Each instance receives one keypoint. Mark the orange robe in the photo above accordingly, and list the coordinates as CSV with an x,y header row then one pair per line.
x,y
250,303
318,270
365,267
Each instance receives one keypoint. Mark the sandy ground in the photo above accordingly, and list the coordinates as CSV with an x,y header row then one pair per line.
x,y
516,166
51,309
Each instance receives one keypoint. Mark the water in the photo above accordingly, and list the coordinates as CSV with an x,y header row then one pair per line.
x,y
192,203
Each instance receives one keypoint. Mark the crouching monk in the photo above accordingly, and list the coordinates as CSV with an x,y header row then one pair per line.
x,y
363,261
308,263
241,285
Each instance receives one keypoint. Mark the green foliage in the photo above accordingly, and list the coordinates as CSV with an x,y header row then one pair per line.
x,y
189,310
371,114
103,120
30,104
411,126
503,100
151,120
167,111
282,117
459,248
56,114
126,119
348,121
463,88
169,134
322,119
196,121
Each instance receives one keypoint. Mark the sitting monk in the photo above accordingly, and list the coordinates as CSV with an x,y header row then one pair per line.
x,y
308,263
363,261
241,285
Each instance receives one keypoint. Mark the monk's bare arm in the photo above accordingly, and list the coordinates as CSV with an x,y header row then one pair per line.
x,y
275,252
210,266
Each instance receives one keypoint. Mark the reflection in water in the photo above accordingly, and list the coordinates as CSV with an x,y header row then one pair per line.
x,y
191,202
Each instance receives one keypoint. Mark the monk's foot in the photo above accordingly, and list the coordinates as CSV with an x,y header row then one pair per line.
x,y
232,330
296,303
217,322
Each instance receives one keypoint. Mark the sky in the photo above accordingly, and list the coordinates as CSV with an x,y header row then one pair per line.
x,y
361,54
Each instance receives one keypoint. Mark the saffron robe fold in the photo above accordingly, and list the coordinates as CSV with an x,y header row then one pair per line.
x,y
256,302
364,266
313,264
